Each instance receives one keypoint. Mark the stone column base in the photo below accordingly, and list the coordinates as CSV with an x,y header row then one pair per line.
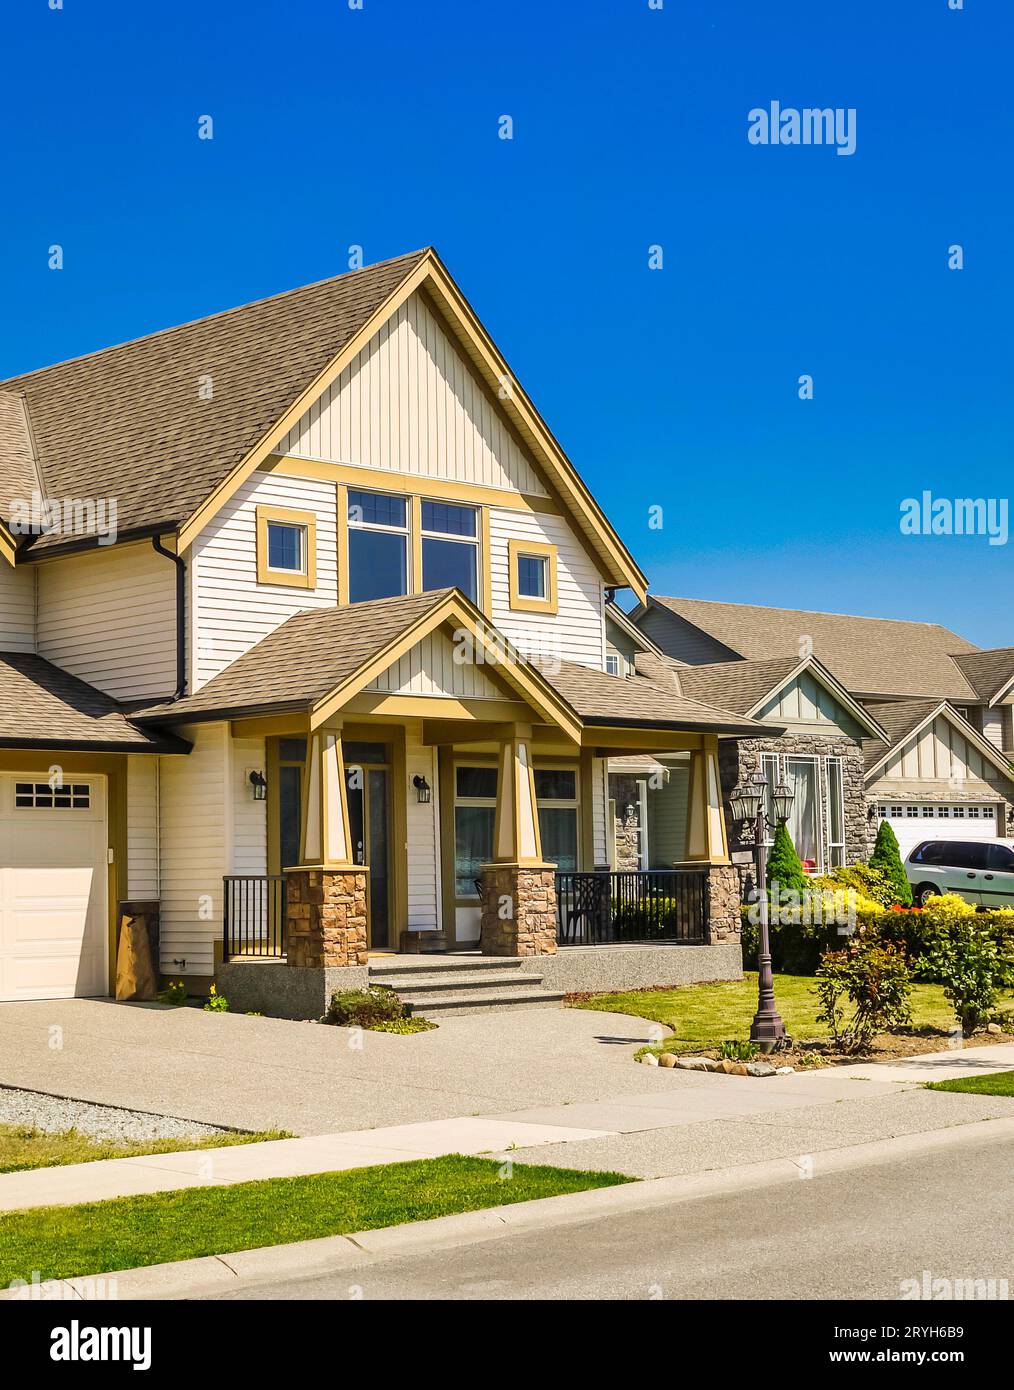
x,y
325,917
518,910
723,895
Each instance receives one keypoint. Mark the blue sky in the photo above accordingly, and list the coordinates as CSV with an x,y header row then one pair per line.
x,y
675,387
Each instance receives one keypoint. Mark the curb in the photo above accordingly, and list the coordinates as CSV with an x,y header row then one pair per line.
x,y
228,1273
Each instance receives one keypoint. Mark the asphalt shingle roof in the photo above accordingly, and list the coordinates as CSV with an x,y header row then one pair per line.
x,y
870,656
987,671
737,685
42,704
18,476
128,422
601,698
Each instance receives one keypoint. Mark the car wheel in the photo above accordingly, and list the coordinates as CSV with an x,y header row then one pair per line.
x,y
924,892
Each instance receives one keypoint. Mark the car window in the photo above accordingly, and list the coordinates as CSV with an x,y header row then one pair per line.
x,y
965,854
1000,857
931,852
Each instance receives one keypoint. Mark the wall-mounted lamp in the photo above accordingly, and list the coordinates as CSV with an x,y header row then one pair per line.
x,y
422,789
260,786
871,813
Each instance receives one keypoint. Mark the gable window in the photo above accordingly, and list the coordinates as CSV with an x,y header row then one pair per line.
x,y
378,545
450,548
286,547
612,664
532,576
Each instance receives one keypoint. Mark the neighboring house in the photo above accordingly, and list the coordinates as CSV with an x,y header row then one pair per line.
x,y
346,656
930,711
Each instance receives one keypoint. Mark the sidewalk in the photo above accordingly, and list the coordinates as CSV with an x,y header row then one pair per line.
x,y
698,1123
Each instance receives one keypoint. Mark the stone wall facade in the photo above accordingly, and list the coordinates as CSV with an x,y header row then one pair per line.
x,y
325,917
739,759
722,901
623,790
518,911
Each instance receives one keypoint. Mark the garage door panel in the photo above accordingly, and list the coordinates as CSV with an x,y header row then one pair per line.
x,y
965,821
53,898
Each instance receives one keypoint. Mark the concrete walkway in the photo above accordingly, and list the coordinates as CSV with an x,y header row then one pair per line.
x,y
697,1122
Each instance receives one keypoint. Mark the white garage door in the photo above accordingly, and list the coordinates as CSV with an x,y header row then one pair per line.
x,y
957,821
53,888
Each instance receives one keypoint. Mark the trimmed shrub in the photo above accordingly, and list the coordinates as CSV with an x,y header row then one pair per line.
x,y
364,1008
784,866
886,858
974,968
875,980
871,884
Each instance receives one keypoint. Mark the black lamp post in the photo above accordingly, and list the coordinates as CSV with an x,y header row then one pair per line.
x,y
747,805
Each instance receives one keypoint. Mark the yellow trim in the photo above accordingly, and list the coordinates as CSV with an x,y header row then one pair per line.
x,y
8,545
605,742
586,774
617,564
440,707
304,579
486,560
415,543
525,603
342,540
441,489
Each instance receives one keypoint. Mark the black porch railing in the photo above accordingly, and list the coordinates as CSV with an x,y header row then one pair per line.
x,y
632,906
254,917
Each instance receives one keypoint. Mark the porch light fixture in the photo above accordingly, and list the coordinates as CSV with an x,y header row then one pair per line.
x,y
422,789
747,806
260,786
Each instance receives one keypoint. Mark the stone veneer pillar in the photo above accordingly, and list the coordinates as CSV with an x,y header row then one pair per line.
x,y
325,916
721,904
518,910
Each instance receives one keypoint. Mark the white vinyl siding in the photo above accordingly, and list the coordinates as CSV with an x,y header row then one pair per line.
x,y
576,632
410,403
196,796
250,825
17,608
992,726
109,617
423,844
430,668
231,611
142,828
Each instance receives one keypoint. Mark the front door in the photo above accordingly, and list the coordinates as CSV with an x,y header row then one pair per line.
x,y
367,785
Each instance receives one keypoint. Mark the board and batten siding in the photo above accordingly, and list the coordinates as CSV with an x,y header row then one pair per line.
x,y
411,403
805,705
17,608
576,632
433,667
231,611
109,617
423,841
196,795
142,828
939,752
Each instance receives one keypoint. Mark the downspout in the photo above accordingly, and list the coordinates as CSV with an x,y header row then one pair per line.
x,y
181,615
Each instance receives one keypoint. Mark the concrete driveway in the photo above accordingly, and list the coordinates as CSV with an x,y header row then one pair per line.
x,y
263,1073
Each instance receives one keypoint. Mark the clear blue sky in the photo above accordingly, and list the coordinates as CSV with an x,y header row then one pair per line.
x,y
675,387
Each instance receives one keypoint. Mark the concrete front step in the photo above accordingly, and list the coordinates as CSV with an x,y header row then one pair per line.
x,y
443,1005
461,984
436,965
410,985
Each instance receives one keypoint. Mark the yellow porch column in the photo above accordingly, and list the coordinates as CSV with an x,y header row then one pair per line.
x,y
326,840
516,838
706,837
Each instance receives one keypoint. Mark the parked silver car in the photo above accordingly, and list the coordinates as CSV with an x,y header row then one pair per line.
x,y
981,871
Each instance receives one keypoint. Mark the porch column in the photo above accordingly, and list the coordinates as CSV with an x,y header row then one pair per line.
x,y
707,845
326,893
518,887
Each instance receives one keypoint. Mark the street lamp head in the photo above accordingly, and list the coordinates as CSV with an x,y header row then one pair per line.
x,y
783,797
745,799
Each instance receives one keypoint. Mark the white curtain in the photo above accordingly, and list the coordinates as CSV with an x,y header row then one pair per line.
x,y
803,823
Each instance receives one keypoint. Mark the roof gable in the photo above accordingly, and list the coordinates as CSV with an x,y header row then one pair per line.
x,y
930,741
991,673
882,656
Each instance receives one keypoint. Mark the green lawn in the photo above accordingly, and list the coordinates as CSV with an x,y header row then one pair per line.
x,y
22,1147
704,1015
61,1242
998,1083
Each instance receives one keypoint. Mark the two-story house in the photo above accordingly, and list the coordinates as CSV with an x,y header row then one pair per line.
x,y
879,718
337,681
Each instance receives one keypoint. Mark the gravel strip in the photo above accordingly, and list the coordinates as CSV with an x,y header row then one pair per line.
x,y
54,1115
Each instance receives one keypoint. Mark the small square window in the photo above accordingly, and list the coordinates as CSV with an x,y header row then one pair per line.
x,y
532,576
286,547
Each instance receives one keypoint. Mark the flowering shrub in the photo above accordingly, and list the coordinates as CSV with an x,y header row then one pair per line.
x,y
217,1003
875,980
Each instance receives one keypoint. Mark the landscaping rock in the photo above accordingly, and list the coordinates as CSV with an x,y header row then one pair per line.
x,y
56,1115
759,1069
667,1059
649,1060
694,1063
734,1068
993,1028
784,1071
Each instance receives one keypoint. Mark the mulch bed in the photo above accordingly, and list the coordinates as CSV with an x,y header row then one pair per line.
x,y
887,1047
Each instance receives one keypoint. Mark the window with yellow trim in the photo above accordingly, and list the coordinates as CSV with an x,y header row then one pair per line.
x,y
532,576
286,547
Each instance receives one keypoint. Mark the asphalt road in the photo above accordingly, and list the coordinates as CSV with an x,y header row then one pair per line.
x,y
851,1234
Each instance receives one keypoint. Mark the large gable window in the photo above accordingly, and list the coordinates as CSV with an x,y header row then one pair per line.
x,y
378,545
450,548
